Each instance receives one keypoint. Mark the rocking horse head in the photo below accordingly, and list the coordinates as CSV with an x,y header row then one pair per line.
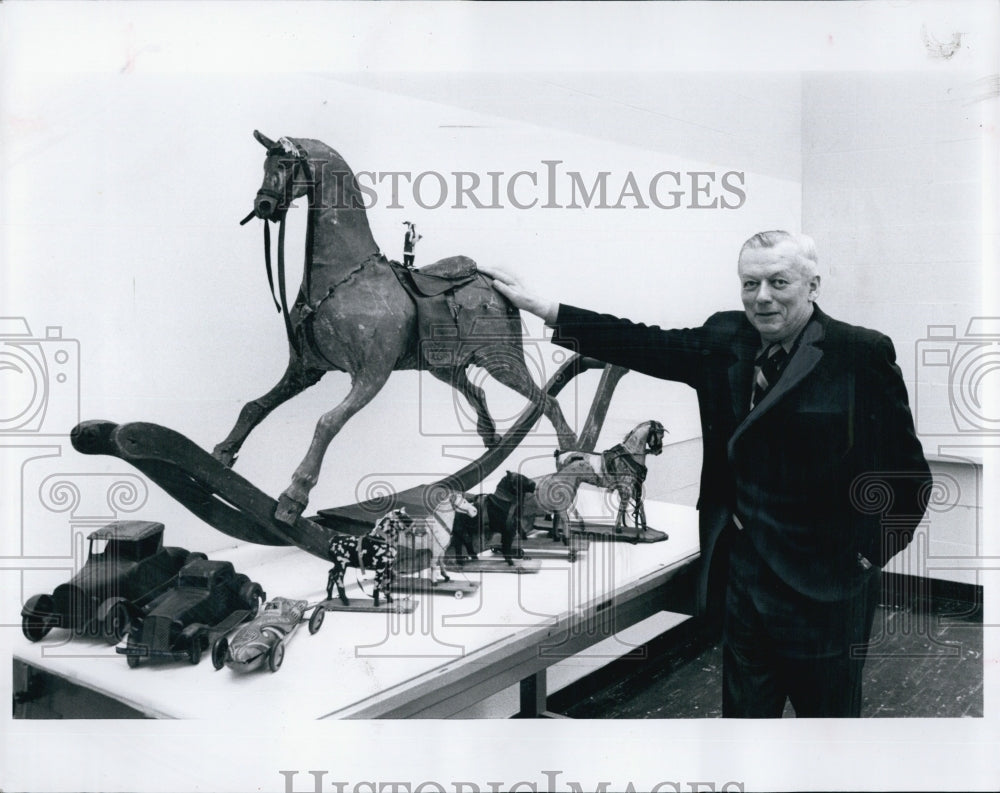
x,y
654,437
646,438
297,167
285,168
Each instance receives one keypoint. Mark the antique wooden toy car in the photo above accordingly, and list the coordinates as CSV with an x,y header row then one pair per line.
x,y
209,600
127,567
264,639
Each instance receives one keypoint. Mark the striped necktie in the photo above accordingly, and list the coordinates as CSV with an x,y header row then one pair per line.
x,y
769,365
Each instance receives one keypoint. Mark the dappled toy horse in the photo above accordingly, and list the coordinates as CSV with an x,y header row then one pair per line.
x,y
498,513
359,313
376,551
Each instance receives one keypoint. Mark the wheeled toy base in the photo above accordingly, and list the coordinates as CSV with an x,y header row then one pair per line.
x,y
540,545
402,606
493,565
421,586
606,531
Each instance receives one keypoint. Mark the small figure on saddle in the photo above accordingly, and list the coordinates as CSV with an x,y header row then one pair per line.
x,y
410,240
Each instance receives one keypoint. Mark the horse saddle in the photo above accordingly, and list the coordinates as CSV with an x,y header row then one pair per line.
x,y
442,325
437,278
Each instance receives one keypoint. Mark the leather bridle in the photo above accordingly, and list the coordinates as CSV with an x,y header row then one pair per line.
x,y
298,159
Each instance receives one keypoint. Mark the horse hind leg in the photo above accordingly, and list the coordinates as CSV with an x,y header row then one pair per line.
x,y
294,381
457,378
514,374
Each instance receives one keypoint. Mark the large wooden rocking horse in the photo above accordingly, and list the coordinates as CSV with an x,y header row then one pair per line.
x,y
357,312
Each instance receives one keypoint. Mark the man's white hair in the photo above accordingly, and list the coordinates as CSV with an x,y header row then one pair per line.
x,y
808,260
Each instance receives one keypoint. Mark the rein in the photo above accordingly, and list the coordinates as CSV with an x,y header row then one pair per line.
x,y
282,307
299,158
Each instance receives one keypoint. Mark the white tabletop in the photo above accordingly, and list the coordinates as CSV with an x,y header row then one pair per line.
x,y
358,660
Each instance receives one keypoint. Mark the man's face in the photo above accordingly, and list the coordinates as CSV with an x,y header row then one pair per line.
x,y
777,294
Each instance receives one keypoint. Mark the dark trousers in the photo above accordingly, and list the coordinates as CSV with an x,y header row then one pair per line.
x,y
778,644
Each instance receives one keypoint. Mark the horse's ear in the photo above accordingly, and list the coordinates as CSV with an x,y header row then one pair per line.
x,y
263,140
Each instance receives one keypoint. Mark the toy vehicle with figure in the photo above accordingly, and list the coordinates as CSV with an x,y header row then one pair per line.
x,y
209,600
263,640
127,567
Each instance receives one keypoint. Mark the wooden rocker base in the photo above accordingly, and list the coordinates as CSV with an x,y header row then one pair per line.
x,y
421,586
405,606
494,565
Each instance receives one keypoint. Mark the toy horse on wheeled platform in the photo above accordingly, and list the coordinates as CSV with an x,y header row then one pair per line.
x,y
359,313
622,468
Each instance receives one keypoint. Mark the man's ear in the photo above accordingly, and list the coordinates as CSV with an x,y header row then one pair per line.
x,y
814,287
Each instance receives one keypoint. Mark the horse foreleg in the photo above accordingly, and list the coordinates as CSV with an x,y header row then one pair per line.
x,y
513,525
336,579
620,518
296,496
518,378
640,514
295,380
383,584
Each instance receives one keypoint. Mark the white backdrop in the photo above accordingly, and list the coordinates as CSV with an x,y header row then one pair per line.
x,y
128,160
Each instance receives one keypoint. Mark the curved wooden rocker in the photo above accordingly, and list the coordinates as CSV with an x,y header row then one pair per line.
x,y
233,505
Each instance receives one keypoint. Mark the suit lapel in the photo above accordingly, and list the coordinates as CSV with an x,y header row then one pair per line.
x,y
741,370
799,366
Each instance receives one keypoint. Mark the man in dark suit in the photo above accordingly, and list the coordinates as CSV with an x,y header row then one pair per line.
x,y
808,438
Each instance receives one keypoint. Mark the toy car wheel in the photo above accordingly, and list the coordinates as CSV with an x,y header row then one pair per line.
x,y
219,651
194,651
253,596
459,594
316,620
132,660
116,623
276,656
37,618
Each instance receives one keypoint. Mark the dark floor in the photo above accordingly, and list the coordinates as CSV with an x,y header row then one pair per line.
x,y
924,661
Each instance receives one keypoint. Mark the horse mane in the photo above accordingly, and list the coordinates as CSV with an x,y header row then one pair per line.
x,y
642,431
332,163
644,427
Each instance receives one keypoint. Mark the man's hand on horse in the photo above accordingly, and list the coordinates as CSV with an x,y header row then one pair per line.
x,y
511,288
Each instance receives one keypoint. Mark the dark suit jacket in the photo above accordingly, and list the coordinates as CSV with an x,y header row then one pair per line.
x,y
826,468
